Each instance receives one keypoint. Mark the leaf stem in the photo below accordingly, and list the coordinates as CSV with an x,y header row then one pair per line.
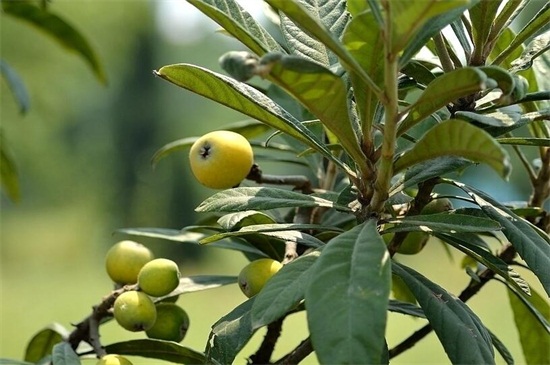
x,y
299,182
442,53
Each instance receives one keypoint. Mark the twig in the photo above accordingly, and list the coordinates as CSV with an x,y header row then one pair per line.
x,y
298,354
299,182
263,355
442,53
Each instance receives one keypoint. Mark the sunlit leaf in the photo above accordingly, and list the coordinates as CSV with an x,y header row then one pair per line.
x,y
534,338
283,291
56,27
537,24
481,18
463,336
245,99
351,287
157,349
457,138
230,334
42,343
235,221
190,284
442,222
442,91
238,22
408,17
261,198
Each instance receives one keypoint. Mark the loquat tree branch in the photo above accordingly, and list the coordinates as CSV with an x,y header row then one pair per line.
x,y
298,354
299,182
263,355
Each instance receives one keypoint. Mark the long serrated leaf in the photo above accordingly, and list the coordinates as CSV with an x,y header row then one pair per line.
x,y
442,91
540,22
303,19
443,222
245,99
157,349
321,92
332,14
535,48
63,354
463,336
408,17
56,27
230,334
462,243
481,18
350,291
532,245
502,350
42,343
261,198
457,138
284,291
239,23
534,338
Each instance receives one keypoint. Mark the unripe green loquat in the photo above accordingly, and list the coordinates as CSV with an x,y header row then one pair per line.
x,y
171,324
124,261
135,311
113,360
253,276
159,277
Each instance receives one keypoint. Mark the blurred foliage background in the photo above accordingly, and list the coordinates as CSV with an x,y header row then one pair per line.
x,y
83,155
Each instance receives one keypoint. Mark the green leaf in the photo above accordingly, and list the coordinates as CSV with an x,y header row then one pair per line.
x,y
54,26
482,16
284,291
230,334
426,170
408,17
430,28
238,22
503,121
63,354
14,362
245,99
502,350
351,287
525,141
303,19
503,78
157,349
405,308
540,22
9,179
445,89
332,14
191,284
42,343
16,85
261,198
534,338
442,222
236,221
321,92
463,242
457,138
463,336
535,48
364,41
531,244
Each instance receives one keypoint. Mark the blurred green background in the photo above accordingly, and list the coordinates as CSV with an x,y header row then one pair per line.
x,y
83,154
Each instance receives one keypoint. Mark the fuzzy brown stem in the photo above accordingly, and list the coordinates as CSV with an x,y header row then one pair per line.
x,y
263,355
298,354
299,182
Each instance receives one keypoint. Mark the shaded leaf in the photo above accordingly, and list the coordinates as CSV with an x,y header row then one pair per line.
x,y
284,291
42,343
245,99
351,287
532,245
63,354
54,26
482,16
261,198
157,349
502,350
442,222
503,78
230,334
191,284
16,85
442,91
409,309
463,336
534,338
238,22
457,138
14,362
535,48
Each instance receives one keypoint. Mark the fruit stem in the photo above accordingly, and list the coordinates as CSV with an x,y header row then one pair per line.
x,y
299,182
